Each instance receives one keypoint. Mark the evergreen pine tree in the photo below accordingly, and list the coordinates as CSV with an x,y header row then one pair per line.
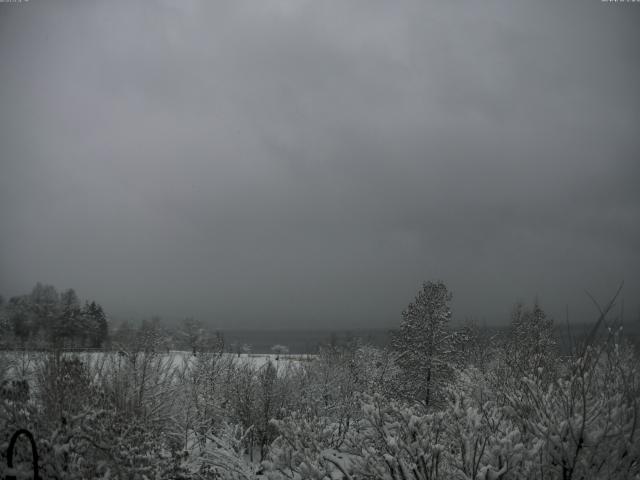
x,y
425,343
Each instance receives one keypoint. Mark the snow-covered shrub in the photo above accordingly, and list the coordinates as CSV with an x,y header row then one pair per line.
x,y
221,455
64,385
486,443
203,394
78,438
387,440
302,447
588,420
399,441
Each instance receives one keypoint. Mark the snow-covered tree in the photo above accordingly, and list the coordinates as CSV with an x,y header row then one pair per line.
x,y
151,336
475,346
531,344
97,329
279,350
425,343
193,331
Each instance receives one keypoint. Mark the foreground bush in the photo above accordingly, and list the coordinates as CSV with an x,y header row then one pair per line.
x,y
581,425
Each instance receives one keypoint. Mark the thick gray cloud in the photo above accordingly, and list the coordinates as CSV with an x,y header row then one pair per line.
x,y
309,163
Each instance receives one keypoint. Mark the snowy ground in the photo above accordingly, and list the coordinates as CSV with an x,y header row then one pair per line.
x,y
20,364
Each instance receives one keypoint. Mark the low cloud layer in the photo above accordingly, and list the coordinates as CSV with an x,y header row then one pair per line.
x,y
310,163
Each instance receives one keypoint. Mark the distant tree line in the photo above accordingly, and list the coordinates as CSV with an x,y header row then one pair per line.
x,y
152,335
45,317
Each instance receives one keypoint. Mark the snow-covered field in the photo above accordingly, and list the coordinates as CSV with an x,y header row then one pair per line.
x,y
20,364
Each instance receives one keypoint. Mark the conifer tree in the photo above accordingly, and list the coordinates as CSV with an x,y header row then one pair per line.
x,y
531,342
425,344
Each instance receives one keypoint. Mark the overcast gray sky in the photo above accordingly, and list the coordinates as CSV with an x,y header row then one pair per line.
x,y
309,163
